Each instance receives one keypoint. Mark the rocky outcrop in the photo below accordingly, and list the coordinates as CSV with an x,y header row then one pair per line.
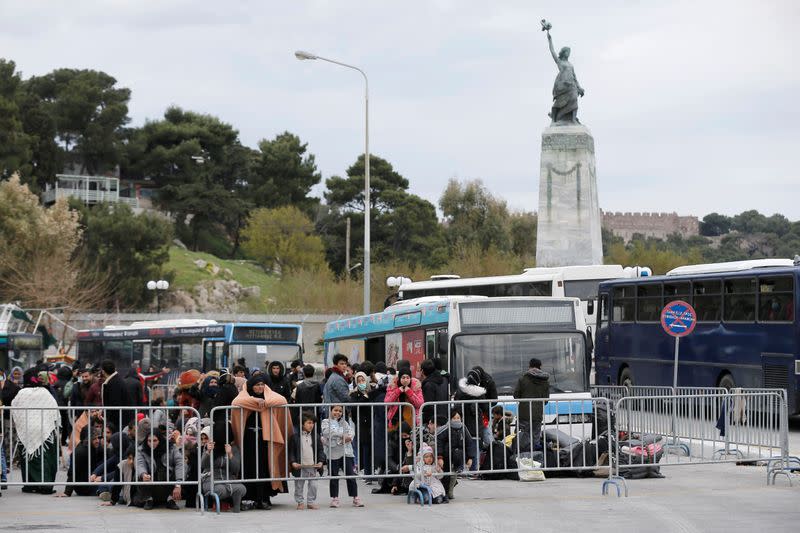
x,y
219,295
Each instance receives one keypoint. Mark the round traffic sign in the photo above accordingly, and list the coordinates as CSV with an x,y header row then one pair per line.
x,y
678,318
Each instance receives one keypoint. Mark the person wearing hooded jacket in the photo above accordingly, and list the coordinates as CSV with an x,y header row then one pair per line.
x,y
535,383
156,461
477,385
134,387
278,381
435,388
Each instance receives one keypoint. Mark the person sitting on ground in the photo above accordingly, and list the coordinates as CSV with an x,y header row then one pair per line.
x,y
427,472
400,484
501,422
306,457
227,464
87,456
457,447
167,465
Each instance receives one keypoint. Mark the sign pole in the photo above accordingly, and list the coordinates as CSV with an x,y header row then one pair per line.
x,y
675,369
678,318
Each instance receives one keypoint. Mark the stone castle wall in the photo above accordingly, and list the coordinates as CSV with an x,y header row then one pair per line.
x,y
658,225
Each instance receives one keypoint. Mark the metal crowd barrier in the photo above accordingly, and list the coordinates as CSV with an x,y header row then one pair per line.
x,y
377,449
709,427
121,443
569,435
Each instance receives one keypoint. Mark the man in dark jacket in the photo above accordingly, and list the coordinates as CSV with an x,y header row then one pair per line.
x,y
535,383
134,387
435,388
278,381
307,391
115,394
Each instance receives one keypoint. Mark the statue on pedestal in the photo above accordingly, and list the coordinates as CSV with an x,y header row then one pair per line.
x,y
566,88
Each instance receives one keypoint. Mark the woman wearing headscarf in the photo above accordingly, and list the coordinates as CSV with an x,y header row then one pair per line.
x,y
221,417
208,391
261,429
159,460
37,431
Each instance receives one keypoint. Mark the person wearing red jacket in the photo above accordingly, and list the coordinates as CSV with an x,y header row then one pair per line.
x,y
404,389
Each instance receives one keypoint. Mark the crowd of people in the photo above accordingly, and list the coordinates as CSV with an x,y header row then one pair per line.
x,y
242,426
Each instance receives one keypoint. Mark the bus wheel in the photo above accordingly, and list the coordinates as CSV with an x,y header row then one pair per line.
x,y
626,377
726,382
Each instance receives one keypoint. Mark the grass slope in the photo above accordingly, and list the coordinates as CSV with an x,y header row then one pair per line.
x,y
187,275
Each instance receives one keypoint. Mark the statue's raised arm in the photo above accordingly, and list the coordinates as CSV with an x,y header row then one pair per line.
x,y
565,89
552,50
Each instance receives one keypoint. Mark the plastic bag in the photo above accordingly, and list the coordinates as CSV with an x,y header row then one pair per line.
x,y
529,470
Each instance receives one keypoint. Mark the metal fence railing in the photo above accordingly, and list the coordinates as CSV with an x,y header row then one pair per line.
x,y
249,449
104,450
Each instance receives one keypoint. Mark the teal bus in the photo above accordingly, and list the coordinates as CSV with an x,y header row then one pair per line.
x,y
498,334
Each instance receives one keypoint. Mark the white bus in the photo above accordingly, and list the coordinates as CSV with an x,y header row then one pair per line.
x,y
580,281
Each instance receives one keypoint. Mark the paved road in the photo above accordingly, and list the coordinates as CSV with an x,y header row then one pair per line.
x,y
719,498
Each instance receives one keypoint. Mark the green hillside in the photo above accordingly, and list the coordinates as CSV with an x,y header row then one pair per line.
x,y
187,274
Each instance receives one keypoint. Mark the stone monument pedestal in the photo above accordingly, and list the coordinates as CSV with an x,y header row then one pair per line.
x,y
569,220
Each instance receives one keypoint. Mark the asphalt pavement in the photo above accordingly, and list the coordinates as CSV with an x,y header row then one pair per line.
x,y
718,498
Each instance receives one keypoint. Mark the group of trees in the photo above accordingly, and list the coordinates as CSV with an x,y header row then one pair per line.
x,y
220,196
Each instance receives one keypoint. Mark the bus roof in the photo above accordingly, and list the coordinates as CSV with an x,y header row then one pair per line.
x,y
579,271
427,311
701,275
573,272
174,323
731,266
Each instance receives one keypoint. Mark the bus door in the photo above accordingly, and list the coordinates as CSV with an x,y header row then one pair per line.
x,y
213,351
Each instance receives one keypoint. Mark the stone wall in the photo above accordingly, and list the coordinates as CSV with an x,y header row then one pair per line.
x,y
657,225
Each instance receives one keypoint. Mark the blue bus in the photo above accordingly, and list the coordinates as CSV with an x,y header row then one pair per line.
x,y
498,334
187,343
747,332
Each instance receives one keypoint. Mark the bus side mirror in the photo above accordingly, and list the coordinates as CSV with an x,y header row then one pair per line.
x,y
590,307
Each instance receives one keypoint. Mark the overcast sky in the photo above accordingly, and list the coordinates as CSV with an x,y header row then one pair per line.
x,y
692,103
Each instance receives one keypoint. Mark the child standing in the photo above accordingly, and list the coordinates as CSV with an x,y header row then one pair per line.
x,y
306,456
428,472
337,436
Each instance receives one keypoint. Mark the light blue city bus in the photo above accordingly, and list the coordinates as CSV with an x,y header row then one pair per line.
x,y
500,335
188,343
747,332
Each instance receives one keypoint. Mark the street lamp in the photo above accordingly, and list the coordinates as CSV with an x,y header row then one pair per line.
x,y
158,286
309,56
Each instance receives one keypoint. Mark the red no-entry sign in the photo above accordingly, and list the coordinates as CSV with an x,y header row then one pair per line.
x,y
678,318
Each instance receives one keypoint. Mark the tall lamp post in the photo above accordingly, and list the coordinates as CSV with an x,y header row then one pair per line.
x,y
307,55
158,286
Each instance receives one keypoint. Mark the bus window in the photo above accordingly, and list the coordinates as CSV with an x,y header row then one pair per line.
x,y
585,289
740,300
624,303
776,301
649,302
430,344
679,290
708,300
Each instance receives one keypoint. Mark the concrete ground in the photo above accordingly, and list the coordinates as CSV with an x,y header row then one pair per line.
x,y
721,497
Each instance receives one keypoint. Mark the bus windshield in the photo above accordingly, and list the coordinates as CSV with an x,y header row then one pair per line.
x,y
255,354
505,357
